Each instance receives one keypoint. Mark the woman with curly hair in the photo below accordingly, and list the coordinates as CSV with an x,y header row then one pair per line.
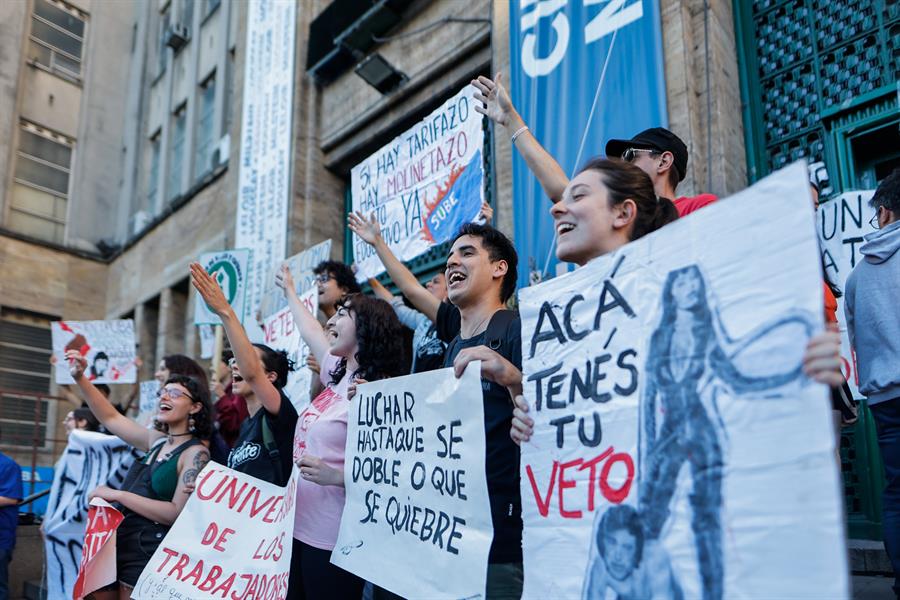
x,y
158,486
362,341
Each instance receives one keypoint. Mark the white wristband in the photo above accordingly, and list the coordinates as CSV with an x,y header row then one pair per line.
x,y
519,132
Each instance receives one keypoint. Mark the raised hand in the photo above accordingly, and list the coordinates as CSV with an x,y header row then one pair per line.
x,y
486,215
285,281
497,105
367,229
209,290
77,363
822,359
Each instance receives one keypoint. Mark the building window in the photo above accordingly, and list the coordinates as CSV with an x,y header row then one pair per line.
x,y
187,14
176,154
153,180
25,349
229,93
163,50
211,5
203,158
41,184
57,38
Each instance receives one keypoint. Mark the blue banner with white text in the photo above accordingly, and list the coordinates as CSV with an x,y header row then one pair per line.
x,y
582,72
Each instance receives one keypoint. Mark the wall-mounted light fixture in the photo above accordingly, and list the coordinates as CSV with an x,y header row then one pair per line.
x,y
379,73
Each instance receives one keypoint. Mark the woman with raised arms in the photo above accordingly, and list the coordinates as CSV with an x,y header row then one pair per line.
x,y
158,486
362,342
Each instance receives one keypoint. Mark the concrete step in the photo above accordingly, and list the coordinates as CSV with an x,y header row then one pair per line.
x,y
869,557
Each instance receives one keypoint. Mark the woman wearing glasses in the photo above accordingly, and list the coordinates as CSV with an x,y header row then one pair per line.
x,y
362,341
157,487
258,375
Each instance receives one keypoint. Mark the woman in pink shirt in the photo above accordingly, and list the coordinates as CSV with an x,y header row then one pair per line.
x,y
361,341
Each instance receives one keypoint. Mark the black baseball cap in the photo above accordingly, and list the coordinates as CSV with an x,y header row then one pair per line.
x,y
655,138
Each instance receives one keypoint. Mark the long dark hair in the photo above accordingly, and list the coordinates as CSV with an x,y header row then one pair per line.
x,y
179,364
624,180
205,417
702,328
85,414
379,339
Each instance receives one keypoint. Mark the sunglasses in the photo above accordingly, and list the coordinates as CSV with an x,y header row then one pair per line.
x,y
631,153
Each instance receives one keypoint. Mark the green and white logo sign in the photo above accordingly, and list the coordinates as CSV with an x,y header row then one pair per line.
x,y
229,269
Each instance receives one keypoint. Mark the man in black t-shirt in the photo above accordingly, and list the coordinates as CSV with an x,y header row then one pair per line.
x,y
481,276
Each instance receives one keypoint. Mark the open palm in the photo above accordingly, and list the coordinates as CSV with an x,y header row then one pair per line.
x,y
497,105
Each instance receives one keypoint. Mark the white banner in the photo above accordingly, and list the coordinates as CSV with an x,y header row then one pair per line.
x,y
108,347
233,539
149,402
229,269
281,334
89,460
424,184
417,520
301,266
842,223
265,168
678,449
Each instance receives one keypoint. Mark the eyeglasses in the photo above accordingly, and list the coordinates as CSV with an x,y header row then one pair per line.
x,y
173,394
324,277
874,221
629,154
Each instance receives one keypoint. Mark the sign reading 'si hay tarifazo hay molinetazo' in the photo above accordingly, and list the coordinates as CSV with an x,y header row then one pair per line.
x,y
424,184
229,269
678,450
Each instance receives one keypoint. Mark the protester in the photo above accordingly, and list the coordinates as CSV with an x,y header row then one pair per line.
x,y
427,348
157,487
82,419
10,496
661,154
871,300
334,280
179,364
362,343
231,409
258,374
481,277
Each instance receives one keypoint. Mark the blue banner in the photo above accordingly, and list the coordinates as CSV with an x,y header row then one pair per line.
x,y
582,72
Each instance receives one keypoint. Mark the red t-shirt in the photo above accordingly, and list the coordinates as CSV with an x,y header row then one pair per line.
x,y
231,411
686,205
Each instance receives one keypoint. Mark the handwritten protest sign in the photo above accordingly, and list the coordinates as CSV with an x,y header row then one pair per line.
x,y
89,460
416,486
424,184
108,347
842,223
98,556
301,266
281,334
207,341
149,402
229,269
233,539
678,450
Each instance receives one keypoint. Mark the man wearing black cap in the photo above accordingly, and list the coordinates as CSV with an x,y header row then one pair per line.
x,y
658,152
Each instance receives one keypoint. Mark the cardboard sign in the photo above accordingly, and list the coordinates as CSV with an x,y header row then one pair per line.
x,y
678,448
281,334
416,486
98,556
233,539
423,185
108,347
229,269
301,266
149,402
